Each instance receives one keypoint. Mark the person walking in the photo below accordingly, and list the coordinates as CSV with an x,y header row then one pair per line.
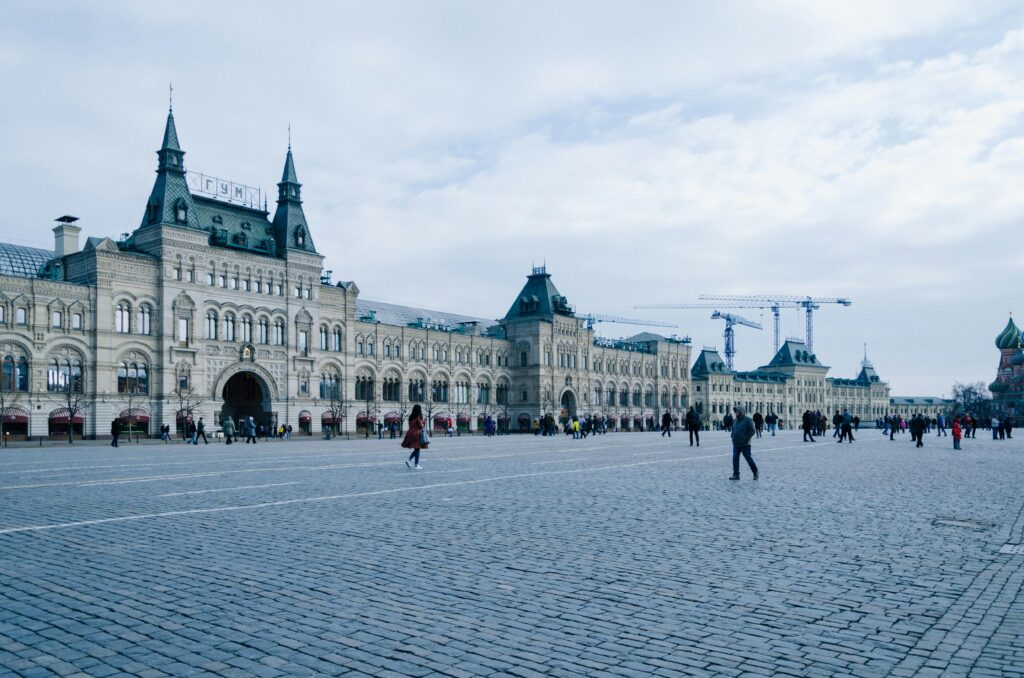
x,y
165,433
940,427
727,422
201,431
808,424
1008,427
758,423
250,430
956,434
693,426
192,433
742,432
773,422
666,424
917,427
846,426
229,430
415,438
115,432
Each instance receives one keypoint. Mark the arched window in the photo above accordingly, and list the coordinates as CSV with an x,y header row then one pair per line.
x,y
229,327
122,318
439,391
262,337
21,374
336,340
416,391
211,325
246,329
364,388
391,389
279,332
330,386
61,374
132,378
323,338
142,320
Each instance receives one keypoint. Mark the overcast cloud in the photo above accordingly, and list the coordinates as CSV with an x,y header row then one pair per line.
x,y
649,152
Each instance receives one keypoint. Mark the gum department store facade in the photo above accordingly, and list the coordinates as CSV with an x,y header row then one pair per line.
x,y
215,308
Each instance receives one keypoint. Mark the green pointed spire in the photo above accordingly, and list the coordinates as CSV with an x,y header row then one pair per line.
x,y
290,228
170,202
170,142
289,176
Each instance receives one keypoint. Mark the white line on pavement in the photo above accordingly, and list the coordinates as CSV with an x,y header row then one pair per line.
x,y
557,461
227,489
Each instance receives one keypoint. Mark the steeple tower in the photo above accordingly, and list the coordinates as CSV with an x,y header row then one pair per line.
x,y
170,202
290,229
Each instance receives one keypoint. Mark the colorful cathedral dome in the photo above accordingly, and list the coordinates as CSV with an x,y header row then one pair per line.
x,y
1009,338
1018,358
998,387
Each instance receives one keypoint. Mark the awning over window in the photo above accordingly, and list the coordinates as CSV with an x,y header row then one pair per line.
x,y
15,415
60,416
135,414
305,417
392,418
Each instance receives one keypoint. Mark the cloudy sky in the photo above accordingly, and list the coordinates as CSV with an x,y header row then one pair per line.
x,y
648,152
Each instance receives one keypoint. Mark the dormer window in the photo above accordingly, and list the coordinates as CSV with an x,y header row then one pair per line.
x,y
180,212
153,212
300,237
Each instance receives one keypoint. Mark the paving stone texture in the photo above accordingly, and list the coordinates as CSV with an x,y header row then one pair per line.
x,y
618,555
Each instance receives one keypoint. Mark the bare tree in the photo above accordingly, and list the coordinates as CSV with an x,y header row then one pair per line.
x,y
74,398
337,405
188,401
8,397
971,399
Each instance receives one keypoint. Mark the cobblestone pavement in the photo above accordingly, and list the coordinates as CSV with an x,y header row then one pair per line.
x,y
619,555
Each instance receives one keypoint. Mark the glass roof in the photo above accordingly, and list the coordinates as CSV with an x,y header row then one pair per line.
x,y
22,261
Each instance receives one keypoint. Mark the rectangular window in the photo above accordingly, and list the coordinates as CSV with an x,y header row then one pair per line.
x,y
183,330
298,292
369,348
234,283
76,320
245,285
303,342
177,274
57,319
359,348
398,350
279,290
309,292
522,360
21,316
259,287
3,314
222,281
209,279
191,276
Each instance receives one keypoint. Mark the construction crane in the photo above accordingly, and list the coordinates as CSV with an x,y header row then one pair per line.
x,y
776,302
774,307
593,318
730,343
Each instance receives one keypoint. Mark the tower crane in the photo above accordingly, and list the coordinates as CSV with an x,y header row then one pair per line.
x,y
774,307
593,318
776,302
730,321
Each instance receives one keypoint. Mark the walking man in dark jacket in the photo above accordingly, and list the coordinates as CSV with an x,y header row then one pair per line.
x,y
807,425
666,424
115,432
917,426
693,426
742,432
758,423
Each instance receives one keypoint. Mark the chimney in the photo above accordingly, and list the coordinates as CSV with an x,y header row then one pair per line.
x,y
66,235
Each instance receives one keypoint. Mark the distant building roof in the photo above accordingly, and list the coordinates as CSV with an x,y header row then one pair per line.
x,y
404,316
918,400
21,261
709,360
539,299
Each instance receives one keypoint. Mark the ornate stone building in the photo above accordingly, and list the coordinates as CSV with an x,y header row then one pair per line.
x,y
213,307
794,381
1008,387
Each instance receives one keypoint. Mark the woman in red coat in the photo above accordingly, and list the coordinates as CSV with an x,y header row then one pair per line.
x,y
415,439
956,434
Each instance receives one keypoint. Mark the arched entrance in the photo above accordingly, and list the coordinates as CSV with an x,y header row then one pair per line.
x,y
245,395
568,404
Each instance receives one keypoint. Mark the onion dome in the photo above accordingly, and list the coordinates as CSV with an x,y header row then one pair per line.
x,y
1018,359
1009,338
998,387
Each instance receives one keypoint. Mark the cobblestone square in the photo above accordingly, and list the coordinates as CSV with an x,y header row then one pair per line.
x,y
617,555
